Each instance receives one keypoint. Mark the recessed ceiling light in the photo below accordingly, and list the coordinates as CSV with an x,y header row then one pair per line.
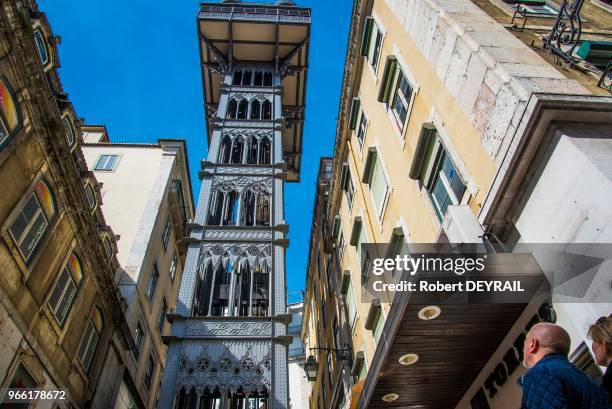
x,y
408,359
390,397
429,313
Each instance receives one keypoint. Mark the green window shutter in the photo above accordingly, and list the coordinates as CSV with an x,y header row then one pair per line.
x,y
336,227
344,175
366,37
356,231
386,85
369,166
346,281
373,315
355,108
358,363
422,152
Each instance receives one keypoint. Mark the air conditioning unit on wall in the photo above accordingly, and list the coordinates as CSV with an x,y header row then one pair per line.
x,y
461,226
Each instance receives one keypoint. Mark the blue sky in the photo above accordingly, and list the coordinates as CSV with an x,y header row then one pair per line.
x,y
133,66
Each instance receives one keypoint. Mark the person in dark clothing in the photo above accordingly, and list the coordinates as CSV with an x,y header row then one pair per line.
x,y
601,335
552,382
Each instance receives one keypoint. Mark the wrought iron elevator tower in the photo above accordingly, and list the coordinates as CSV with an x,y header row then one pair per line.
x,y
228,344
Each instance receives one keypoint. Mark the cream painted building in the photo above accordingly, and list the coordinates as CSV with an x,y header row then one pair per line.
x,y
299,387
146,196
455,125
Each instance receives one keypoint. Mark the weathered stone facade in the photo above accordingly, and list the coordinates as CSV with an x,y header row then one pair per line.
x,y
60,310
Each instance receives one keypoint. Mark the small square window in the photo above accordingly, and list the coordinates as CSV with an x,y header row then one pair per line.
x,y
107,162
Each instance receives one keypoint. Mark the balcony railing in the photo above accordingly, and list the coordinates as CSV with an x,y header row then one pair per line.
x,y
292,14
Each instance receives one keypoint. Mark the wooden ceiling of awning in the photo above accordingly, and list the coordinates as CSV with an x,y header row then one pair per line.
x,y
452,350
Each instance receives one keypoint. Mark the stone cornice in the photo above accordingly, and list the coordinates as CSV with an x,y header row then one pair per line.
x,y
352,67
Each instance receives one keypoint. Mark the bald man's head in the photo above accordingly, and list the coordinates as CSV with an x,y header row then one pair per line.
x,y
544,339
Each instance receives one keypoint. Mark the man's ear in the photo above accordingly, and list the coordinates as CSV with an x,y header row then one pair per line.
x,y
534,345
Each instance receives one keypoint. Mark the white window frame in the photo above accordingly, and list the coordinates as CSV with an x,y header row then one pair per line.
x,y
69,128
377,30
400,129
42,38
401,123
350,296
105,168
438,174
362,116
380,213
350,198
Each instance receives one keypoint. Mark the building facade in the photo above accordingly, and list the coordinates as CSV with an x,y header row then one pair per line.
x,y
228,345
456,122
299,387
147,197
60,309
326,323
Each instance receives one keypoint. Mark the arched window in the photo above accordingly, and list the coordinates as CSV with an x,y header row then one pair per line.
x,y
90,196
216,207
248,208
252,151
230,209
237,78
108,247
255,109
243,107
201,300
41,46
187,400
89,340
268,79
243,289
10,116
33,220
265,152
261,290
246,78
258,80
221,290
232,109
237,150
262,211
267,110
69,131
225,150
65,289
